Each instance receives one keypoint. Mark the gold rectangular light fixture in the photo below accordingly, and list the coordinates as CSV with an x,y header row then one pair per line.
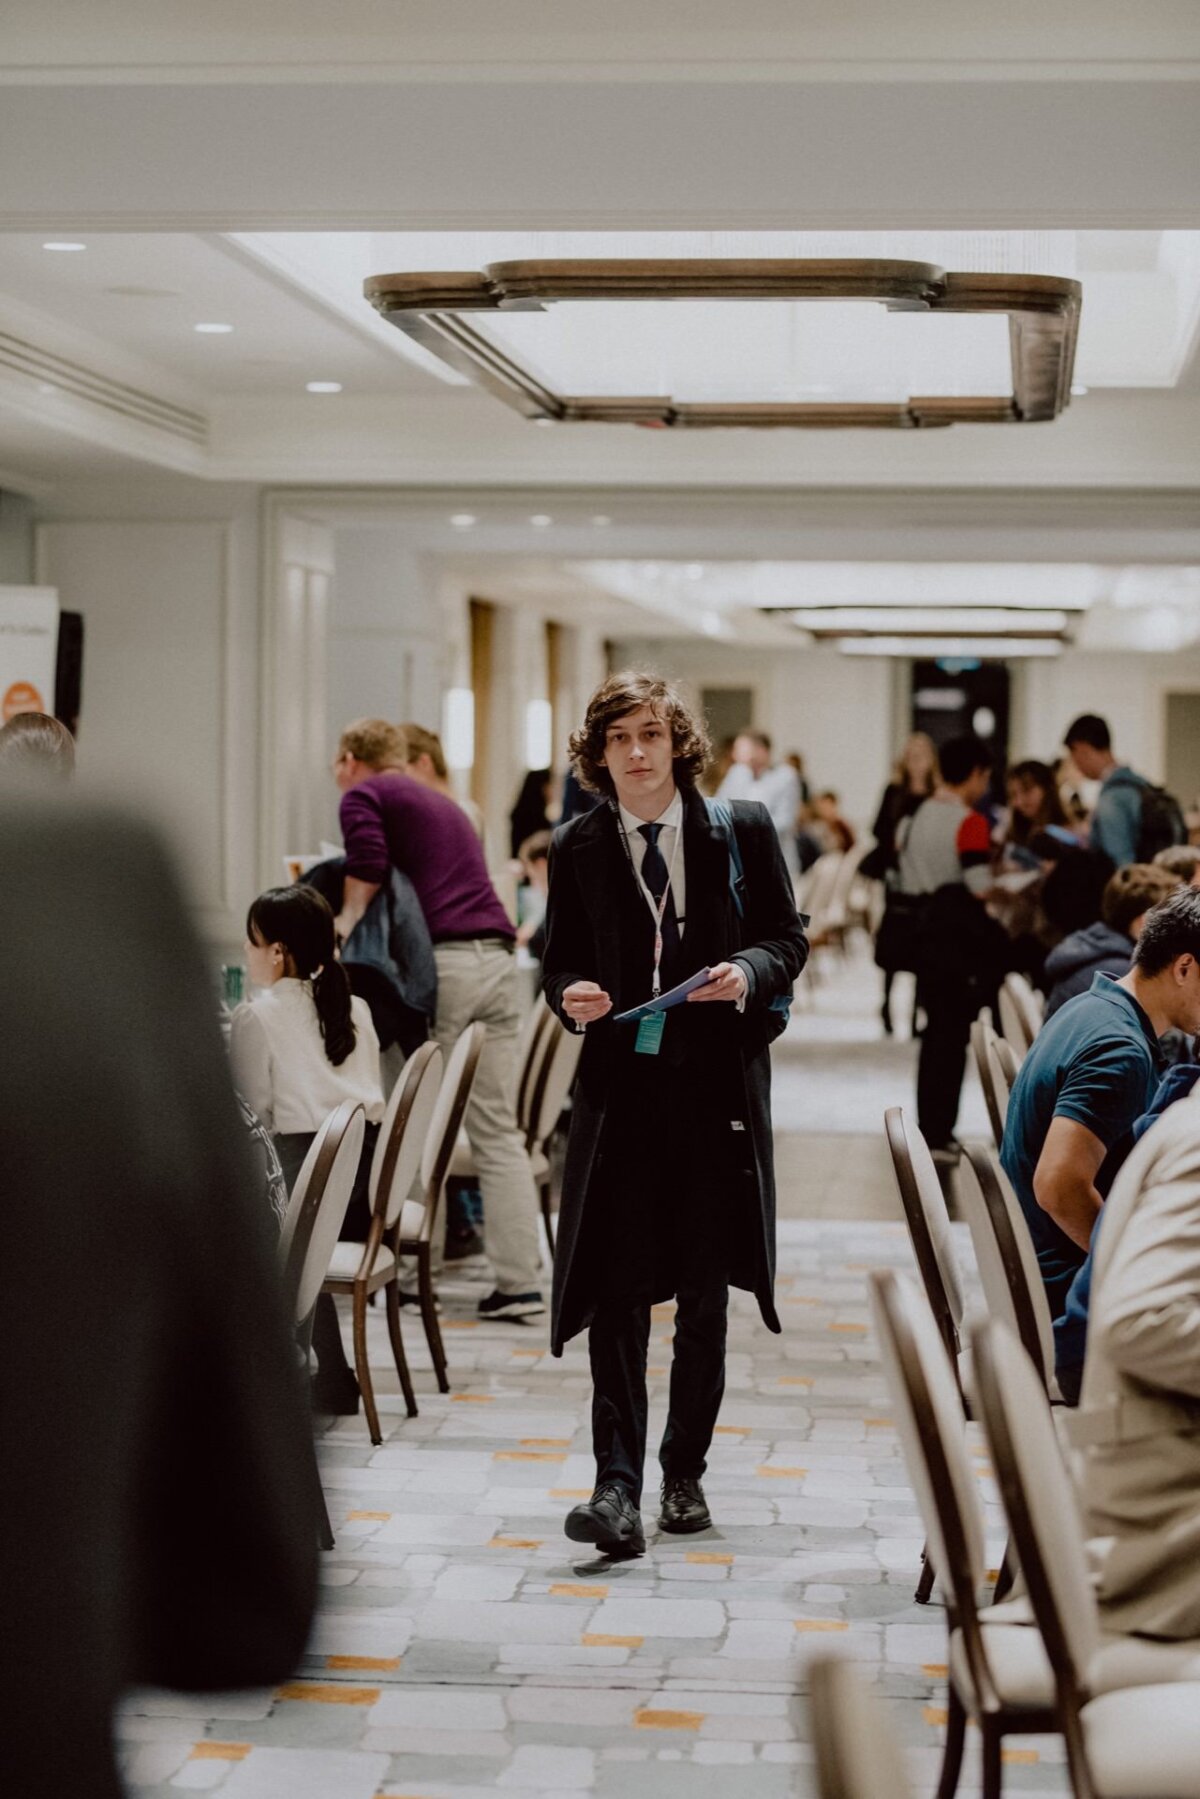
x,y
471,319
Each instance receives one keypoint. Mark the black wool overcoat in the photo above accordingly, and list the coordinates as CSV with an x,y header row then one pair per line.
x,y
599,929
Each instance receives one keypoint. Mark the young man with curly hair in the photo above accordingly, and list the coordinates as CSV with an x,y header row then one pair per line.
x,y
668,1191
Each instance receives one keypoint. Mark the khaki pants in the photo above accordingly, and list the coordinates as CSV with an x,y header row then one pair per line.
x,y
478,980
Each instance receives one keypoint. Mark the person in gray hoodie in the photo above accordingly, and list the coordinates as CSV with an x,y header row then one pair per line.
x,y
1106,947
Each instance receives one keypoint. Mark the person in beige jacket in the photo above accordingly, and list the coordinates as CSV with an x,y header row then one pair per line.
x,y
1137,1431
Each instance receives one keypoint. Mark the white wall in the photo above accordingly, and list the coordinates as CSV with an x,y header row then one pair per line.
x,y
169,714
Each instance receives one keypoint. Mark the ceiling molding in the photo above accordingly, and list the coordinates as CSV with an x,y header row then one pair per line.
x,y
1043,313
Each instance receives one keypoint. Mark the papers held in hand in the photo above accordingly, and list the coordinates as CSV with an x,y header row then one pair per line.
x,y
665,1001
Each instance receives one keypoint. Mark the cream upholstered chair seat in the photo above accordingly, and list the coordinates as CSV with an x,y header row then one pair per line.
x,y
347,1260
1021,1668
1144,1742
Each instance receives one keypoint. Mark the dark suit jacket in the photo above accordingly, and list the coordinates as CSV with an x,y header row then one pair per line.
x,y
156,1519
598,929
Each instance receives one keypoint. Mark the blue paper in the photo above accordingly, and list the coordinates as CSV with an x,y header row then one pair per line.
x,y
665,1001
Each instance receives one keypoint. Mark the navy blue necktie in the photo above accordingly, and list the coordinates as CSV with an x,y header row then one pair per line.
x,y
654,874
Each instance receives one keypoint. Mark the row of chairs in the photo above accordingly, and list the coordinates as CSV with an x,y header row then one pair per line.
x,y
1128,1709
420,1145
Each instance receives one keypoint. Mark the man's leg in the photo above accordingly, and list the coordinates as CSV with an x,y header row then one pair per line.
x,y
478,981
617,1347
697,1377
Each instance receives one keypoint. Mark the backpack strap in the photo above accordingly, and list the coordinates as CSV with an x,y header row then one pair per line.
x,y
720,816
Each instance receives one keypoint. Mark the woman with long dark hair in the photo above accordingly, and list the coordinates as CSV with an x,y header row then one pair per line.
x,y
914,778
300,1047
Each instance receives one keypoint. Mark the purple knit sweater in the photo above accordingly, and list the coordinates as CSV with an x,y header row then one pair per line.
x,y
391,821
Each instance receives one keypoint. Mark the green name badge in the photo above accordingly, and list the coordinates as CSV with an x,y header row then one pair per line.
x,y
650,1034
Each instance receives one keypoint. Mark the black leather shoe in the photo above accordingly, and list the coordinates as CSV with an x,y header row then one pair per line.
x,y
610,1520
684,1507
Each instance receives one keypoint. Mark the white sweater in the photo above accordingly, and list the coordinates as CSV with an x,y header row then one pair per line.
x,y
279,1063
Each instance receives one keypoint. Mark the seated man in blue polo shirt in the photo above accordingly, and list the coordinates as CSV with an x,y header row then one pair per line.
x,y
1091,1073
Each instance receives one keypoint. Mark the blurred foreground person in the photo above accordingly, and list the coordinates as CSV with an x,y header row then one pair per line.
x,y
156,1515
35,751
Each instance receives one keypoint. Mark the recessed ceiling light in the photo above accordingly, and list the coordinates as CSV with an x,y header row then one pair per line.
x,y
600,519
1078,391
539,520
462,521
209,330
64,246
323,387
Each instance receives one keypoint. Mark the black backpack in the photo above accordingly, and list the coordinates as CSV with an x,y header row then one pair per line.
x,y
1162,823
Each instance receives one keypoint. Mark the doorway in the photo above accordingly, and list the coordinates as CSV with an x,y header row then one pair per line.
x,y
954,695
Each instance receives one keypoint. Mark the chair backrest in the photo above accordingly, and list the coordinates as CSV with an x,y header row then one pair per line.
x,y
401,1141
1039,1499
819,889
560,1059
318,1206
1012,1021
981,1029
1029,1003
529,1051
933,1434
928,1224
855,1750
453,1094
1006,1258
1005,1065
838,910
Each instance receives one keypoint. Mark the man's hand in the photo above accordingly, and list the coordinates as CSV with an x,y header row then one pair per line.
x,y
728,982
584,1001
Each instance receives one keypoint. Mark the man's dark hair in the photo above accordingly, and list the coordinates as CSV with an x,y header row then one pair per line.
x,y
1172,929
617,698
1089,729
962,756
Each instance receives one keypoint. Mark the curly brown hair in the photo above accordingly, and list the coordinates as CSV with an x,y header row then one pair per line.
x,y
616,698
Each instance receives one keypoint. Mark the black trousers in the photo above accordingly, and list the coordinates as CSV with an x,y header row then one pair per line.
x,y
660,1223
617,1344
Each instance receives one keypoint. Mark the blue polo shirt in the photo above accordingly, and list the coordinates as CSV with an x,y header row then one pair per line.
x,y
1096,1061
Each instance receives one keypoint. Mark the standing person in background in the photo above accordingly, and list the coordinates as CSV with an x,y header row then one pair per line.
x,y
531,812
1133,820
1034,808
753,776
427,764
669,1186
914,777
946,855
390,820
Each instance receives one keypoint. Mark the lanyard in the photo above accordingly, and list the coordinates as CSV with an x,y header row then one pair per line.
x,y
658,909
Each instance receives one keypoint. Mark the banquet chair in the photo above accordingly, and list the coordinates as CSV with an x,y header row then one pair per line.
x,y
998,1672
315,1215
1128,1708
357,1270
1029,1003
982,1034
855,1750
1014,1024
928,1224
561,1050
1006,1259
420,1218
530,1049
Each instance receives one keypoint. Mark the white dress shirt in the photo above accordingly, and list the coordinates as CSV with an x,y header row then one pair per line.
x,y
279,1063
668,839
778,789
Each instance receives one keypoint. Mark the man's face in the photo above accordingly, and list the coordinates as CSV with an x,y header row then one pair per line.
x,y
752,753
638,756
1184,995
1090,761
348,771
981,780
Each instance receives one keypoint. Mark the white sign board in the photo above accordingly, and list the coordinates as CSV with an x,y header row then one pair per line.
x,y
28,649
